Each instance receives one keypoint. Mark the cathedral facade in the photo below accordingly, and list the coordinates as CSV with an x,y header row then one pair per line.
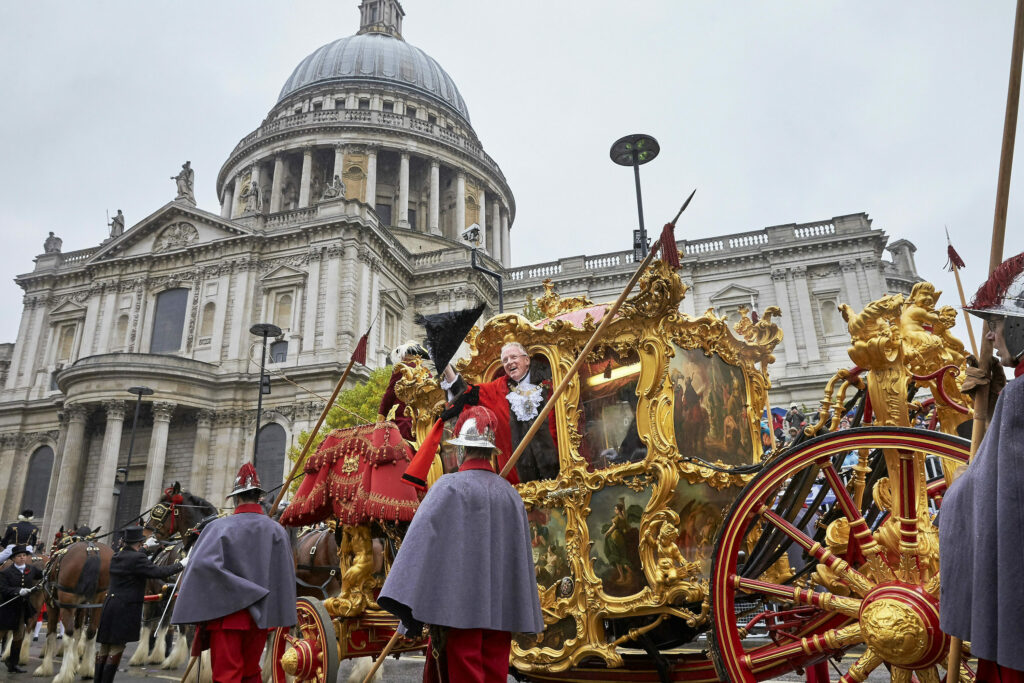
x,y
358,202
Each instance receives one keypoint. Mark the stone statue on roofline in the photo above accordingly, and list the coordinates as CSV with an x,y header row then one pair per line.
x,y
116,224
335,189
52,244
185,181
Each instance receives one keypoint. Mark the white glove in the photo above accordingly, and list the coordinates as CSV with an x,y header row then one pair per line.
x,y
183,561
151,543
24,591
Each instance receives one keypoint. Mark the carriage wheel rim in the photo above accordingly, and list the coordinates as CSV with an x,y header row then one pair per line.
x,y
737,664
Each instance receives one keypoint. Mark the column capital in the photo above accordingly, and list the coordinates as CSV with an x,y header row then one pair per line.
x,y
435,163
115,409
76,412
799,271
848,265
162,410
404,154
341,146
779,274
308,148
205,417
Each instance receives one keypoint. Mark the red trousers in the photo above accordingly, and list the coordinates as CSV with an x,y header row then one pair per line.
x,y
236,645
472,655
990,672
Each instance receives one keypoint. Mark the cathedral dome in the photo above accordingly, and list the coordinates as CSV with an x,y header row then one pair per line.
x,y
377,58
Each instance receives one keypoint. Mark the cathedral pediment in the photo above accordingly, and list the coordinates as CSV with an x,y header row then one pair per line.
x,y
283,276
173,227
69,310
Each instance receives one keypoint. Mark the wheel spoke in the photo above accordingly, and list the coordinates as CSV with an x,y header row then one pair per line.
x,y
770,658
790,594
907,518
860,534
929,675
862,668
837,565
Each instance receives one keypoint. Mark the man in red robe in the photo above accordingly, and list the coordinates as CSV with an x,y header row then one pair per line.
x,y
516,398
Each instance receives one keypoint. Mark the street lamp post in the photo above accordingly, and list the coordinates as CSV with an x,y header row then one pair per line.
x,y
634,150
262,330
138,392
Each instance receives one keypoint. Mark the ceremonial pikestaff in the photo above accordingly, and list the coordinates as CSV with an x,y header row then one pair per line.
x,y
981,415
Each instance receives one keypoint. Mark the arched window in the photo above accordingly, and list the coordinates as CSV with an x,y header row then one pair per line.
x,y
279,351
270,456
169,320
283,310
37,481
206,326
831,323
66,344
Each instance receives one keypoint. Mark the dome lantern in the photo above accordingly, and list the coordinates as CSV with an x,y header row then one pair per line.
x,y
381,16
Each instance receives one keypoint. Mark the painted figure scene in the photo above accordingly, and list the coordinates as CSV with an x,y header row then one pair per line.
x,y
710,408
614,525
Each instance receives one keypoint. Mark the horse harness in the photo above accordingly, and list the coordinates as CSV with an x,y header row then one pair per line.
x,y
54,566
332,570
159,513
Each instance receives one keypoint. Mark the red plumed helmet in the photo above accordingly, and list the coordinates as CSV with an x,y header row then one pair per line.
x,y
246,480
1002,295
476,427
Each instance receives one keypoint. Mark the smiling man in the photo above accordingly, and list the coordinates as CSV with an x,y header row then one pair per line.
x,y
982,596
517,397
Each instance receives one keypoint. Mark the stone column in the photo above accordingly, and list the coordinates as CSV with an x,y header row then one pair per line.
x,y
8,494
482,218
434,222
403,191
339,161
153,486
277,184
309,322
307,176
58,452
852,287
803,296
495,232
201,453
227,198
333,292
255,175
70,469
506,247
235,194
876,281
103,502
786,320
371,176
460,205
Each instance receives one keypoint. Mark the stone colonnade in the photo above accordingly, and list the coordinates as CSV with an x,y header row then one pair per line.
x,y
493,212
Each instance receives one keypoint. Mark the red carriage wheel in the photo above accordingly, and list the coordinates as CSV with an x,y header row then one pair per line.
x,y
309,650
880,589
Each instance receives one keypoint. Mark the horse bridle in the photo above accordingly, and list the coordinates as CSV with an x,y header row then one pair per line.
x,y
159,513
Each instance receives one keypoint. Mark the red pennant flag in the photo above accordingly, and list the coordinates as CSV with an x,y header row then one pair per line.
x,y
359,355
669,252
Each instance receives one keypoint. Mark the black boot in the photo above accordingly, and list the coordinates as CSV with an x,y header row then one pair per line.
x,y
12,659
110,669
101,660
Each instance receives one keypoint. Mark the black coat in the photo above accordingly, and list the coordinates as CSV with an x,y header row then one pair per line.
x,y
122,610
11,583
20,533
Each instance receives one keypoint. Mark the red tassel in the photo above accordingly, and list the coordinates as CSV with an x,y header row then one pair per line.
x,y
753,317
669,251
954,262
359,355
993,291
416,473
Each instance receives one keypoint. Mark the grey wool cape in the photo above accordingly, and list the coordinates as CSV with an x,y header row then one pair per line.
x,y
242,561
466,560
981,541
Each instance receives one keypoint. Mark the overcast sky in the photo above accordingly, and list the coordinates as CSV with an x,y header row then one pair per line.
x,y
778,112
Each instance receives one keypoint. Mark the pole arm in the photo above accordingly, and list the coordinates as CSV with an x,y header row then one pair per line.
x,y
542,417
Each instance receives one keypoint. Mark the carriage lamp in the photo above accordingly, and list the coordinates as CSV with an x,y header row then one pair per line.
x,y
634,150
262,330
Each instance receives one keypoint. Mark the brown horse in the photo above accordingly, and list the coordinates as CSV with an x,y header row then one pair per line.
x,y
170,519
75,583
317,573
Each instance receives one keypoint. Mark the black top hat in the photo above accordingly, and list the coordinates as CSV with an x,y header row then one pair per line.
x,y
132,535
26,515
19,549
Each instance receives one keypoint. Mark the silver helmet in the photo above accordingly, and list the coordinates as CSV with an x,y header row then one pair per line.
x,y
476,427
1002,297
